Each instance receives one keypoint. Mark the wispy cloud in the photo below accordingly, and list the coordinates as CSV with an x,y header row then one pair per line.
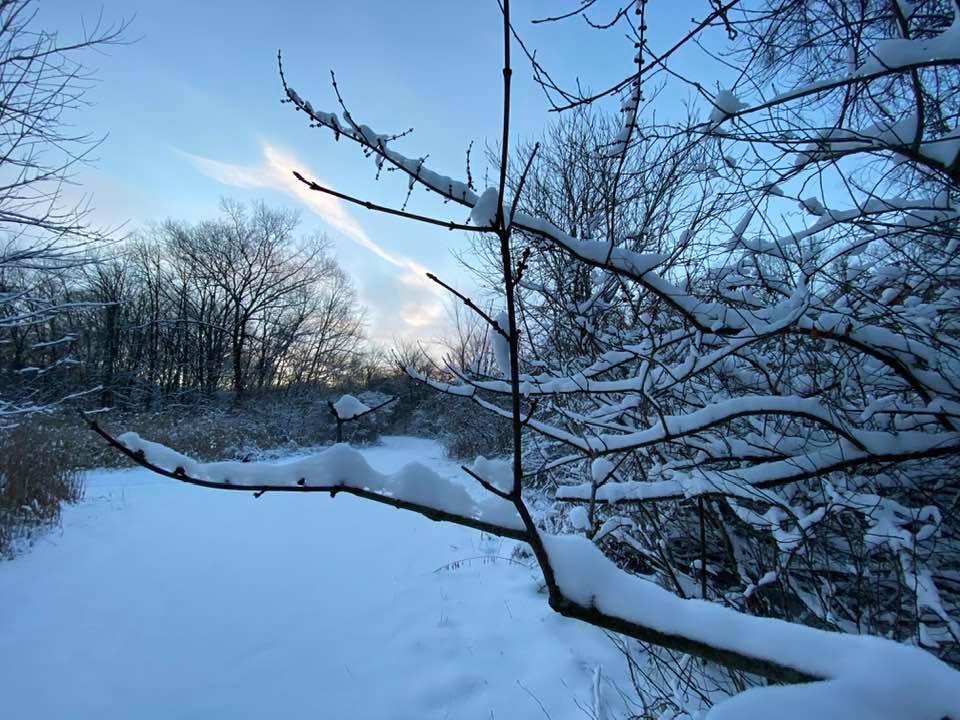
x,y
230,174
421,314
275,172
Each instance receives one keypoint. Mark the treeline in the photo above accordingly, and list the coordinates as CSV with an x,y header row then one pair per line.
x,y
239,302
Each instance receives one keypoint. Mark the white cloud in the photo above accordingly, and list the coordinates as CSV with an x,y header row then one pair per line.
x,y
421,314
418,310
230,174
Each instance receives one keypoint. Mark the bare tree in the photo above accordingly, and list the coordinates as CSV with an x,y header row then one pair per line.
x,y
42,80
255,260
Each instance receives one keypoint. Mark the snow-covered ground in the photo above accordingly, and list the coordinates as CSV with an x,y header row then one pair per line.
x,y
159,600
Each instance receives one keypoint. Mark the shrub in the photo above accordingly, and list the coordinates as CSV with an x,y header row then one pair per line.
x,y
37,476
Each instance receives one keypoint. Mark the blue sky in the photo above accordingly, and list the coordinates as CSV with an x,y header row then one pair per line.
x,y
193,113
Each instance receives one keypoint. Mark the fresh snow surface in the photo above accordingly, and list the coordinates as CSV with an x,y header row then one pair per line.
x,y
164,601
348,407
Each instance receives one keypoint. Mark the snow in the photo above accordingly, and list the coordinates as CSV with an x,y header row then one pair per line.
x,y
597,252
600,469
415,168
944,150
498,472
889,55
886,135
336,467
813,206
680,425
501,346
747,482
159,600
742,227
348,407
484,213
895,53
579,518
725,103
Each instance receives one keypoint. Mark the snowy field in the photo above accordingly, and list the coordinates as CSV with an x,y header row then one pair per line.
x,y
159,600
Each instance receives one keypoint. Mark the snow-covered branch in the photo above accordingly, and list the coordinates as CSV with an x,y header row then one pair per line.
x,y
337,469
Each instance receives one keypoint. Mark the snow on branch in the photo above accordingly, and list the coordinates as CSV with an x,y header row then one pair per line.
x,y
884,58
347,407
896,681
746,482
339,468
